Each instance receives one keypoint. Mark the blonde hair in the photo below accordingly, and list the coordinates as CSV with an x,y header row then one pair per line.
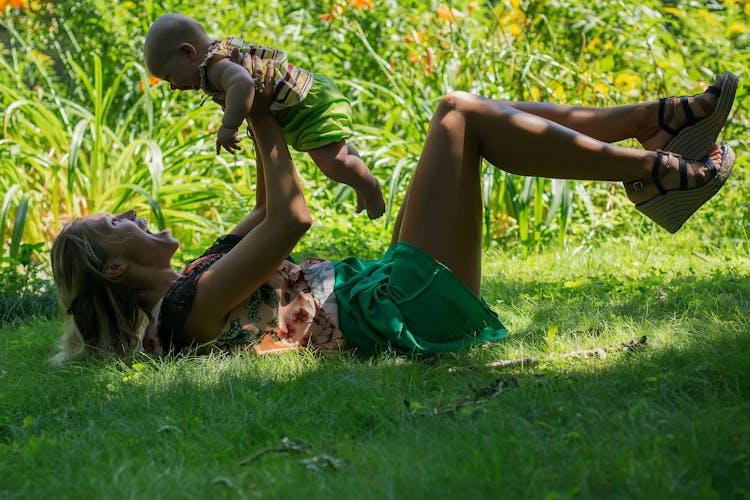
x,y
102,316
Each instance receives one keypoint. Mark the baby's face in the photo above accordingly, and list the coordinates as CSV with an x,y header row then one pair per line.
x,y
181,71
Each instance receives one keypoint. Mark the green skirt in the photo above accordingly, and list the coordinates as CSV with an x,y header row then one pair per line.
x,y
323,117
410,303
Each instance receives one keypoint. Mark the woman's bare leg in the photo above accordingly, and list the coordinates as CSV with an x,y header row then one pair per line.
x,y
442,214
612,124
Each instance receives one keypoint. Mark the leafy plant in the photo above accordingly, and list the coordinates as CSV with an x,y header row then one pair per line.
x,y
86,129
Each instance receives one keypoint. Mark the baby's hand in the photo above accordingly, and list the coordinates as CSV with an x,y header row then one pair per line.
x,y
228,139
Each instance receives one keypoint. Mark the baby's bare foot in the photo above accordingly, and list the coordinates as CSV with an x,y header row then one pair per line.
x,y
371,199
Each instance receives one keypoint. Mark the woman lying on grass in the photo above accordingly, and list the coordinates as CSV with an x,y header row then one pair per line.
x,y
121,294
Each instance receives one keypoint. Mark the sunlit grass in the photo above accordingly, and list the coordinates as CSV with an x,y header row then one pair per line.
x,y
668,420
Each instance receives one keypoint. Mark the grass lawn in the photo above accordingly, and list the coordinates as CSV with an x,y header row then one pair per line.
x,y
668,420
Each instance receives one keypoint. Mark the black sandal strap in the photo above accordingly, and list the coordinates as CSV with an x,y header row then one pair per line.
x,y
683,173
711,165
713,90
685,101
655,172
662,123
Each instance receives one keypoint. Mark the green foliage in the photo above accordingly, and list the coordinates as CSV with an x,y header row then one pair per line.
x,y
25,289
85,129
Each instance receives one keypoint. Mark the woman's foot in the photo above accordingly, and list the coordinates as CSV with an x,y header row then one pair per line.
x,y
656,134
696,174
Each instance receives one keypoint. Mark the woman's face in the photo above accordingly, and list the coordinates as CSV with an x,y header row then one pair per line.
x,y
127,237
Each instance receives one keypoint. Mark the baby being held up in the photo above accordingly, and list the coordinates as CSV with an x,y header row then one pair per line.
x,y
313,112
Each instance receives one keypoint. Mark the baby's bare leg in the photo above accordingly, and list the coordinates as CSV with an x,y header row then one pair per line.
x,y
340,162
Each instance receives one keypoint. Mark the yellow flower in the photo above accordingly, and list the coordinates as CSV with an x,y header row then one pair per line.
x,y
707,17
41,57
747,9
673,11
627,82
362,4
735,30
446,13
593,44
602,87
515,30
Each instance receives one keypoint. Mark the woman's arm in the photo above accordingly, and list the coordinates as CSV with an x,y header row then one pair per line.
x,y
258,213
254,68
249,264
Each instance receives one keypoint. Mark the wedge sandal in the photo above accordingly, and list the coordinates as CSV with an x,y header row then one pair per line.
x,y
671,209
696,139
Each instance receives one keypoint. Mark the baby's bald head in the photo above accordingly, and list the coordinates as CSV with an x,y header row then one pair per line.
x,y
165,36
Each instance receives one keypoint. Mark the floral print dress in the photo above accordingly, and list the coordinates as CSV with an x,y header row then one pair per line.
x,y
296,308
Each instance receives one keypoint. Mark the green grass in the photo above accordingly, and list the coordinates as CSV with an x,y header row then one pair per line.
x,y
671,420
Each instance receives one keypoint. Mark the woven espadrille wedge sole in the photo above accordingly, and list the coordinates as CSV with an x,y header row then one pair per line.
x,y
696,141
672,209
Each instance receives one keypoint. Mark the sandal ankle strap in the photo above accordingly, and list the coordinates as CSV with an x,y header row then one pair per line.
x,y
682,165
685,103
655,172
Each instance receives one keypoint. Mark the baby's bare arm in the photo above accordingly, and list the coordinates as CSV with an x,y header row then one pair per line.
x,y
240,92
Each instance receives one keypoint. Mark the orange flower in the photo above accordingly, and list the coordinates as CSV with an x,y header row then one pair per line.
x,y
152,80
430,63
411,37
446,13
326,17
473,6
14,4
362,4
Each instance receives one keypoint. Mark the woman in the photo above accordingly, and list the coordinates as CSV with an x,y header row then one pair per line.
x,y
121,293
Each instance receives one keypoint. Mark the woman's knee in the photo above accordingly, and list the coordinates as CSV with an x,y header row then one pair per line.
x,y
457,100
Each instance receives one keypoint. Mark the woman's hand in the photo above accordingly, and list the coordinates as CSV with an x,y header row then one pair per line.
x,y
264,85
261,74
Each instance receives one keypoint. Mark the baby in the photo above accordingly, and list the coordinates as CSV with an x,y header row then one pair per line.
x,y
313,112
